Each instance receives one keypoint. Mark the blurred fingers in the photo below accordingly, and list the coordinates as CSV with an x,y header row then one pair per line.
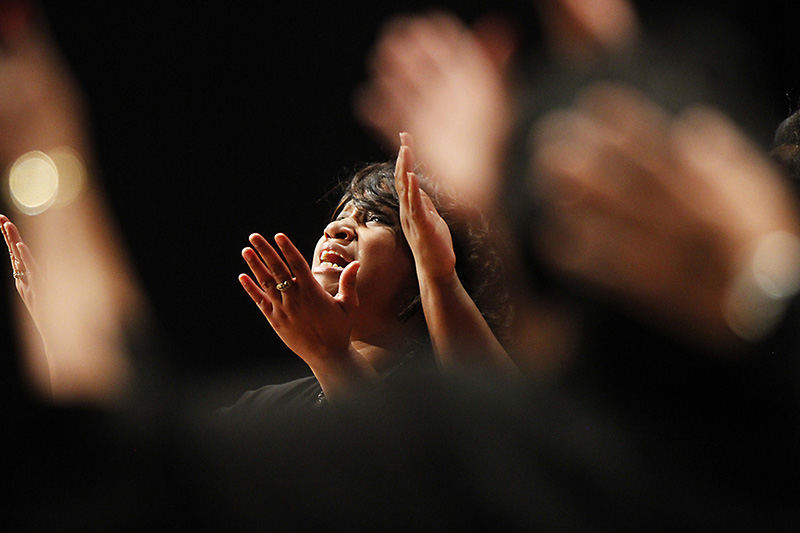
x,y
611,255
434,40
16,21
3,221
635,127
626,110
398,58
579,160
13,238
736,189
28,261
381,104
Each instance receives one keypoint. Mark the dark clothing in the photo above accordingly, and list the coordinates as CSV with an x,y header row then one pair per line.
x,y
296,396
426,453
299,396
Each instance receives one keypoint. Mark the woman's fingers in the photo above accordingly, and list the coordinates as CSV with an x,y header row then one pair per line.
x,y
295,259
22,261
415,206
12,235
256,294
301,295
348,295
257,267
406,139
406,155
403,172
277,268
400,167
419,208
400,170
28,262
3,221
427,203
271,270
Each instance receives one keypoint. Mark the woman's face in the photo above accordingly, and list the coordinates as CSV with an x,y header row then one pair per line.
x,y
386,279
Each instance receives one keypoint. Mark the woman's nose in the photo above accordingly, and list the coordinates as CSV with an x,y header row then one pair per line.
x,y
341,229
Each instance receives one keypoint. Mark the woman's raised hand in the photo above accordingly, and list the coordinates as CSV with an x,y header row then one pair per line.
x,y
26,271
459,333
312,323
425,230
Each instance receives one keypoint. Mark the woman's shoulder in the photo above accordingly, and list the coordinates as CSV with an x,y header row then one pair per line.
x,y
299,394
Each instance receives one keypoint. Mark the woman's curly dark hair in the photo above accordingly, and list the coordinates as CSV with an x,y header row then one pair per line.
x,y
786,146
478,262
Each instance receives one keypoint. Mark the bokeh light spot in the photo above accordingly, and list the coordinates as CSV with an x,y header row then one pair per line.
x,y
33,182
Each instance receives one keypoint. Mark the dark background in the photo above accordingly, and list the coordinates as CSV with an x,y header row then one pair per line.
x,y
214,119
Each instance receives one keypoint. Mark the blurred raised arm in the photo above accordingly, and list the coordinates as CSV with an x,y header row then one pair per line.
x,y
680,219
84,295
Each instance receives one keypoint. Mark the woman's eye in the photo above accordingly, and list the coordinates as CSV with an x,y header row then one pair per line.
x,y
374,217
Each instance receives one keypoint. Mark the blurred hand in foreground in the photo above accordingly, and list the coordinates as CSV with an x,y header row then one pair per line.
x,y
669,216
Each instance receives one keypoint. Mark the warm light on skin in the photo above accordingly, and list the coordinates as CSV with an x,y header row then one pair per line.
x,y
33,182
386,276
72,176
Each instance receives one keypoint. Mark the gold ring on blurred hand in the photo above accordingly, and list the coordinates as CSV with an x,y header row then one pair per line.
x,y
283,285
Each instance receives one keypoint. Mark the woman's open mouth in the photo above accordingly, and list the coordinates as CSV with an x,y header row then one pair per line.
x,y
332,260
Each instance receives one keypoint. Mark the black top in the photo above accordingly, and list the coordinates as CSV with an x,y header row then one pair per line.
x,y
300,396
294,396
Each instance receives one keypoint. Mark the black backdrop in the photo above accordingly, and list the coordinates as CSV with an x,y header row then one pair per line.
x,y
215,119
